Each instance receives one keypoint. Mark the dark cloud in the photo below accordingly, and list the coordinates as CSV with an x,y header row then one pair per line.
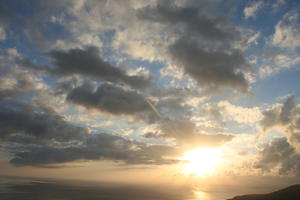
x,y
37,136
97,147
286,116
216,112
204,47
192,21
66,85
270,118
279,154
282,152
213,69
152,135
171,106
111,99
280,115
5,17
286,110
25,123
87,62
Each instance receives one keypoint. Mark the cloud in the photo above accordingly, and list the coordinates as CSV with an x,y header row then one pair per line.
x,y
252,9
273,62
280,157
287,31
203,46
40,28
286,119
25,123
87,62
211,68
109,98
243,115
190,20
38,136
186,38
223,116
279,114
2,33
171,105
32,29
6,20
286,110
97,147
15,84
277,4
34,134
186,135
213,117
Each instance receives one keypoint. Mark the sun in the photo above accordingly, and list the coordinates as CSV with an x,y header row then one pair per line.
x,y
202,161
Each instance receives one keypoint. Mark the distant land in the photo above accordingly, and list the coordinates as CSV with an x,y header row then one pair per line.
x,y
289,193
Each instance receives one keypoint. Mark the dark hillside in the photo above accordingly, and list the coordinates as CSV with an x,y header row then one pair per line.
x,y
289,193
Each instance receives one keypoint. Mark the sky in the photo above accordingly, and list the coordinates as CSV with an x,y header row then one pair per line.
x,y
150,90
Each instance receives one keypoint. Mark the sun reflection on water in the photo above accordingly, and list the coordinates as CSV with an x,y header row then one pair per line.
x,y
200,195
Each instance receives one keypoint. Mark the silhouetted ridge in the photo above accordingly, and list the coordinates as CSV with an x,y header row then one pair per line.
x,y
289,193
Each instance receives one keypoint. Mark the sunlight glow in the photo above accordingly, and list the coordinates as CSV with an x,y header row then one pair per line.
x,y
202,161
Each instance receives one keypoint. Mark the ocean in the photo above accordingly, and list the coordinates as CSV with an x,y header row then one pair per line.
x,y
12,188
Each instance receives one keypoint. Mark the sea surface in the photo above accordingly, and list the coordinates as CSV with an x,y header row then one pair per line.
x,y
16,188
12,188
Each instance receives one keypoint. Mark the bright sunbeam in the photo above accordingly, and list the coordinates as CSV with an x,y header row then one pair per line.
x,y
202,161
